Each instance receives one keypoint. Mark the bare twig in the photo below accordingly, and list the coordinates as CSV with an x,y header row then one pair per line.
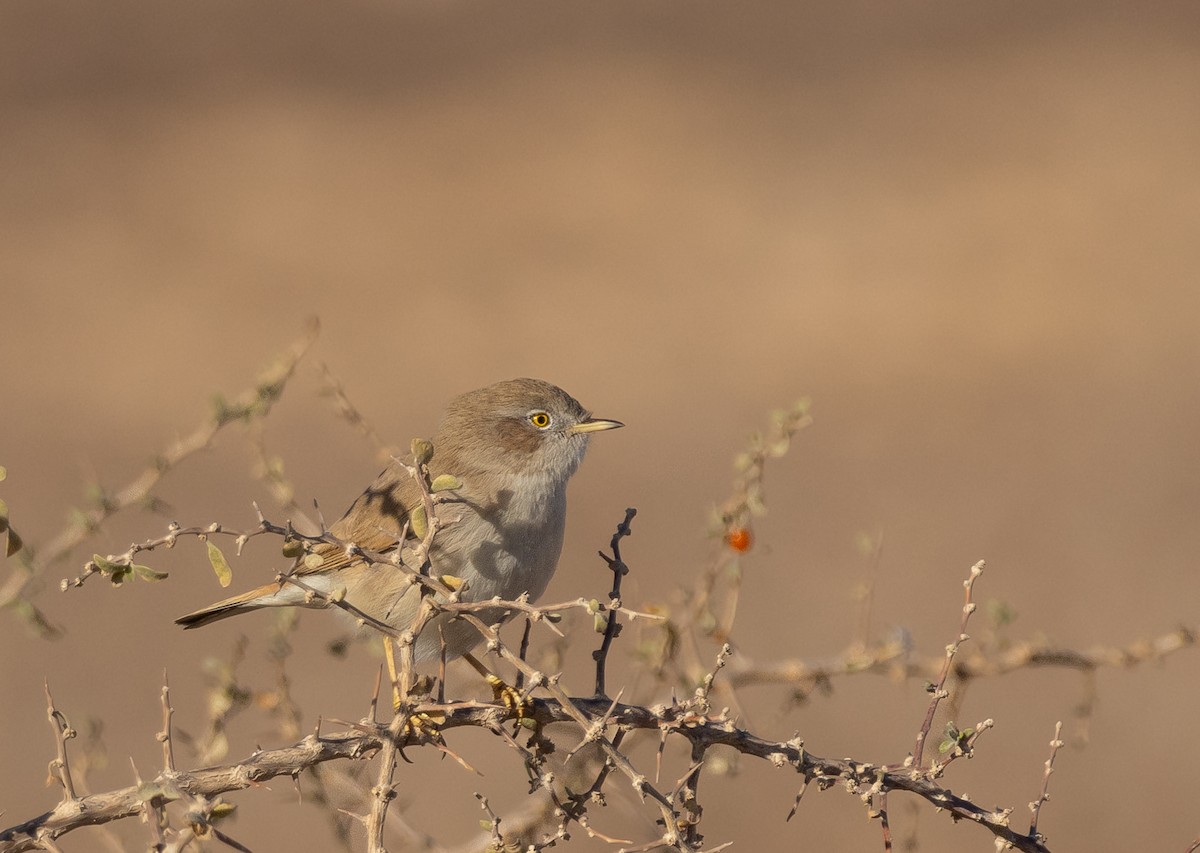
x,y
254,403
619,570
164,737
879,809
332,387
60,767
939,689
893,658
1036,806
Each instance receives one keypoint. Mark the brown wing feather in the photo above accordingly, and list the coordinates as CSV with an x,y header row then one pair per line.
x,y
374,522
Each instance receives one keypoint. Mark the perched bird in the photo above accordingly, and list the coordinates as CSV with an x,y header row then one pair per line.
x,y
512,446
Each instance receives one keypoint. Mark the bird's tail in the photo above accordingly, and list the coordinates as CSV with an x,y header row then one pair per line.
x,y
270,595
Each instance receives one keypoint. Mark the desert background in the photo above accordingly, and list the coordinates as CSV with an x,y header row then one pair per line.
x,y
968,232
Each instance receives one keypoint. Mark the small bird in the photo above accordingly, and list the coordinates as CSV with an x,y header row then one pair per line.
x,y
512,446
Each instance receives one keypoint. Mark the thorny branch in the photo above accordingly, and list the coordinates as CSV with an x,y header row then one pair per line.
x,y
60,767
602,723
895,658
369,738
252,404
939,689
1036,806
619,570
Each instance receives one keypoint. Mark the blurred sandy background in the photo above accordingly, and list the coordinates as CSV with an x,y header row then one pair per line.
x,y
968,233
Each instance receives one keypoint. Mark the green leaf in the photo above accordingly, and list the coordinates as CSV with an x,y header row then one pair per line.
x,y
293,548
3,473
418,522
3,516
147,791
82,520
167,792
954,738
422,450
445,483
148,574
220,565
1001,613
117,573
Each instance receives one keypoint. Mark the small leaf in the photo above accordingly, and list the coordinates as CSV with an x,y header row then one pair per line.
x,y
600,623
3,473
485,825
220,565
418,522
1001,613
220,409
314,561
445,483
106,566
147,791
293,548
221,810
422,450
455,583
3,516
148,574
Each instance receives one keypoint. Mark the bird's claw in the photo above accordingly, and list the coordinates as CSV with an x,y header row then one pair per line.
x,y
508,696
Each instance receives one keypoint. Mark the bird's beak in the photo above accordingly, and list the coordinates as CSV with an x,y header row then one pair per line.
x,y
594,425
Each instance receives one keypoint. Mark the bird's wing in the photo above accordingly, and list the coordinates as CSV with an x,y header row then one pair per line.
x,y
374,522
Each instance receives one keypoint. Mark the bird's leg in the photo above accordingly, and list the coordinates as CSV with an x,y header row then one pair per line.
x,y
504,693
389,652
417,723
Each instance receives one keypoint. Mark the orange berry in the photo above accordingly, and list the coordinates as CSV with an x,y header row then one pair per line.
x,y
738,539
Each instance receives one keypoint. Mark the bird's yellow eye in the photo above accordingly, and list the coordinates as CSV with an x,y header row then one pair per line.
x,y
541,420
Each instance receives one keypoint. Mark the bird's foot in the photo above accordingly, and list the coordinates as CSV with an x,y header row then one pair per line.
x,y
508,696
504,694
418,723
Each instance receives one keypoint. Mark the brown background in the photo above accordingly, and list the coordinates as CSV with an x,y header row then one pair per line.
x,y
969,234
